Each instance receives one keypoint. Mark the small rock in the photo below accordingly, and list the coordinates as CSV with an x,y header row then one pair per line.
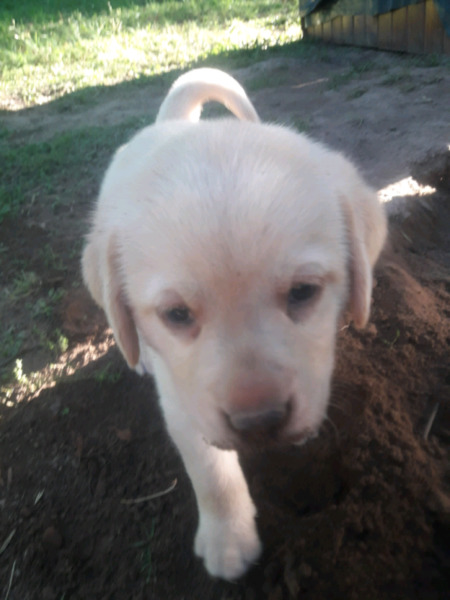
x,y
51,538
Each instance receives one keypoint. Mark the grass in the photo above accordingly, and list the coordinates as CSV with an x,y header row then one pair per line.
x,y
355,72
398,77
301,124
45,305
24,285
108,374
17,384
11,342
53,47
42,169
67,50
146,552
270,79
402,78
356,93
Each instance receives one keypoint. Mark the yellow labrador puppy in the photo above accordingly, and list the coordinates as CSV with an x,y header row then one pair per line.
x,y
223,253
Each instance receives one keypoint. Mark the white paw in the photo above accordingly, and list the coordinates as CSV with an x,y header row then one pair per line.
x,y
228,546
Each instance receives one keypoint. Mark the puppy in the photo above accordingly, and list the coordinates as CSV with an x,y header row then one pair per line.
x,y
224,253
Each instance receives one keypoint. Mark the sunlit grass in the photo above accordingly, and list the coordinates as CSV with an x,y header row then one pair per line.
x,y
17,385
51,48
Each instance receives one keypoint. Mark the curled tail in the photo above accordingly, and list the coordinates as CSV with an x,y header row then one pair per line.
x,y
192,90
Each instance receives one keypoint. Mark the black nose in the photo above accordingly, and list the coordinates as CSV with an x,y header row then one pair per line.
x,y
262,420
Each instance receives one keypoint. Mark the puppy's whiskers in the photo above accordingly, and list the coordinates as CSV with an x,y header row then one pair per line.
x,y
338,407
328,421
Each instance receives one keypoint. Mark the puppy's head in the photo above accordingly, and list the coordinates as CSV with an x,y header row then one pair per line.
x,y
232,260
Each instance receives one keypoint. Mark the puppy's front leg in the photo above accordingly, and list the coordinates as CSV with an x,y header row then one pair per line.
x,y
226,538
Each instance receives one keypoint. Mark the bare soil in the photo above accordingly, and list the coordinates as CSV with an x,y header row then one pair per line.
x,y
363,511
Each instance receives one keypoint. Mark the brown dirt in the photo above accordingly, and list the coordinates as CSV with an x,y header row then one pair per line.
x,y
361,512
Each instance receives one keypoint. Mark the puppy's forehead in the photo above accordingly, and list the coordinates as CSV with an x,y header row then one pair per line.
x,y
243,255
229,199
228,278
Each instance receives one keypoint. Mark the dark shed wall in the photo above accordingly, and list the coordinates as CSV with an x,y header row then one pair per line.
x,y
417,26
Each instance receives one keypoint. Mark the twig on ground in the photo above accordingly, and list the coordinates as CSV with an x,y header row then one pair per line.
x,y
10,580
151,497
431,420
6,542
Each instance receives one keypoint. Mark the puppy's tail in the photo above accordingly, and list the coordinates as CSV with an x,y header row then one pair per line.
x,y
192,90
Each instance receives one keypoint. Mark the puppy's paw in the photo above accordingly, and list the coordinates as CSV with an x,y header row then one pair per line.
x,y
228,546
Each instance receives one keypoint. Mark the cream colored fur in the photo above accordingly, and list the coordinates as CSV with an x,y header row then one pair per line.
x,y
224,219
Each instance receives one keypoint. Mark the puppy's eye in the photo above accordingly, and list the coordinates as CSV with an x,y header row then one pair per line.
x,y
301,293
300,296
180,316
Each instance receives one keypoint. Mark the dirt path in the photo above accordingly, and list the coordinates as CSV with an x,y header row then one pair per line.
x,y
364,510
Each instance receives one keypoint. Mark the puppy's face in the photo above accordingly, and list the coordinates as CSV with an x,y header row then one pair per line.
x,y
238,301
229,267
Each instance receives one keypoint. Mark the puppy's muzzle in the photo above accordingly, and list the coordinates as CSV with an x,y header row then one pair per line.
x,y
260,425
266,420
258,409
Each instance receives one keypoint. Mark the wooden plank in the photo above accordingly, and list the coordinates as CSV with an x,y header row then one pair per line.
x,y
359,30
371,27
327,31
312,31
434,31
446,44
336,30
416,28
385,31
399,30
347,30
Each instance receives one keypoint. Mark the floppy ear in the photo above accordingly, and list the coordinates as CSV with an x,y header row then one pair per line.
x,y
366,233
101,273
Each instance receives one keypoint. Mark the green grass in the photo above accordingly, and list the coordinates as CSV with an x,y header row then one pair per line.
x,y
301,124
11,342
69,50
356,93
25,284
108,374
146,552
271,79
398,77
355,72
53,47
42,169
